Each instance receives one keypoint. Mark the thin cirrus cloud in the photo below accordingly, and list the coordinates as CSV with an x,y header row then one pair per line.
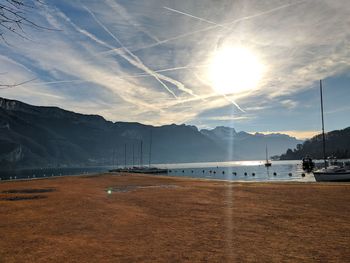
x,y
147,61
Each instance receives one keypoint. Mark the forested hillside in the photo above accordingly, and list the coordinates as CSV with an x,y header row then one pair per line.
x,y
337,145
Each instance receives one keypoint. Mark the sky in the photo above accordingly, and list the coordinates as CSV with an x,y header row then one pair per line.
x,y
161,62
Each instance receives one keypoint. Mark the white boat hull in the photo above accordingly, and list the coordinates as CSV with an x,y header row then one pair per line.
x,y
332,176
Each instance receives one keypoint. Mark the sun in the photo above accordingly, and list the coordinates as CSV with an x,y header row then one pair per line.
x,y
234,70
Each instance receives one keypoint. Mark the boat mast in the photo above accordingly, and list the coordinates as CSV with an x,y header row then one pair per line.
x,y
323,135
125,156
116,157
113,158
267,160
133,155
150,150
141,161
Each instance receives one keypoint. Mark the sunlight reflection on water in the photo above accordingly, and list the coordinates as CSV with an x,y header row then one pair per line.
x,y
232,171
242,171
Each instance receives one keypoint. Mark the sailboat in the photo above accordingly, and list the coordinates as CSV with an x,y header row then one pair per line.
x,y
332,173
142,168
267,163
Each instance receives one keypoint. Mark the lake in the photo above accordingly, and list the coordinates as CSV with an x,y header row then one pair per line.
x,y
232,171
242,171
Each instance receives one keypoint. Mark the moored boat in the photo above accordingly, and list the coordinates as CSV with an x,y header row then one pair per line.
x,y
332,173
267,163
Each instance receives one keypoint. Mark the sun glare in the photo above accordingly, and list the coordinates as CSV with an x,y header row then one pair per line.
x,y
234,70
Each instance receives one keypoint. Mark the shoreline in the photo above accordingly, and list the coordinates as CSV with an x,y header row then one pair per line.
x,y
180,178
123,218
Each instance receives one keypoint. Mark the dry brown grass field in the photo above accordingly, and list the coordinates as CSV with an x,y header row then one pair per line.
x,y
166,219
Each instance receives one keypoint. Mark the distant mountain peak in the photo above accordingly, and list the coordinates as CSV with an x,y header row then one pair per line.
x,y
225,128
220,131
273,135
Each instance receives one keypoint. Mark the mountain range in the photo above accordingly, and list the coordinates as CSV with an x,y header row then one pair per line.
x,y
35,136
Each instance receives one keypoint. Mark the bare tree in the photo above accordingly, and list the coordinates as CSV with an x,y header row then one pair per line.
x,y
14,18
7,86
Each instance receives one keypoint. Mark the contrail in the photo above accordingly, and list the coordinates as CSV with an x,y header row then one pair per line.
x,y
124,15
141,75
195,17
139,102
165,40
223,95
173,69
233,102
265,12
135,61
59,82
86,33
211,27
208,98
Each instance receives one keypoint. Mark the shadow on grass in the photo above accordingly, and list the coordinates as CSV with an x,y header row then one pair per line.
x,y
28,191
20,198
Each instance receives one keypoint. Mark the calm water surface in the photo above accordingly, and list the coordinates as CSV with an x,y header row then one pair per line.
x,y
233,171
242,171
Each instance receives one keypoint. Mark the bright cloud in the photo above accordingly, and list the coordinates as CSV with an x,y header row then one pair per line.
x,y
147,61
